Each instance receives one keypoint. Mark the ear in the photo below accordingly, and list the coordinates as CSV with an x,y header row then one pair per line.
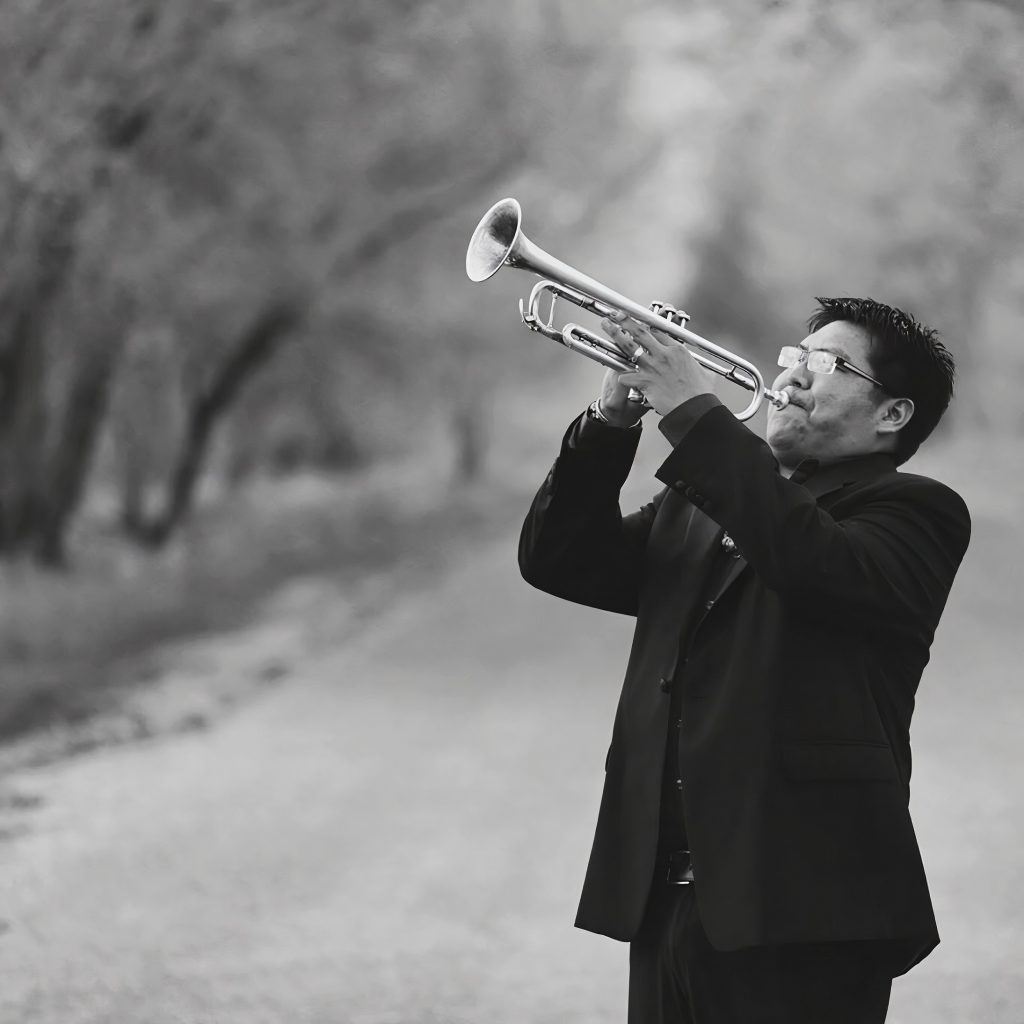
x,y
894,415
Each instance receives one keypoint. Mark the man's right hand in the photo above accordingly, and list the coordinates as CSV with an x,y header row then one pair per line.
x,y
614,400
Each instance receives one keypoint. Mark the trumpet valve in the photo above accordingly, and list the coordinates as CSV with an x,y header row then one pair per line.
x,y
679,317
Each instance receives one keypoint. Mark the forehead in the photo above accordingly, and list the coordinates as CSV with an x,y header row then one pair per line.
x,y
842,338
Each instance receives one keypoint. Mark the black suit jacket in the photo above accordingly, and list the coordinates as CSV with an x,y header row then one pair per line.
x,y
798,676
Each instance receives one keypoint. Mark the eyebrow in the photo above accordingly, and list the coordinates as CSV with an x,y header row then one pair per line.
x,y
835,352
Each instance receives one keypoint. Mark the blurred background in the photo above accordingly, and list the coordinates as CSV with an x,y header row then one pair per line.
x,y
253,416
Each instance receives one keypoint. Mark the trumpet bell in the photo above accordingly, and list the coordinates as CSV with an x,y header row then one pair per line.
x,y
494,240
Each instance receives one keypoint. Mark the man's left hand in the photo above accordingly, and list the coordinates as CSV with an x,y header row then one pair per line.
x,y
666,371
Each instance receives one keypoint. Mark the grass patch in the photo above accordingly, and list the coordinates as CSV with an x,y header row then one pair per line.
x,y
63,637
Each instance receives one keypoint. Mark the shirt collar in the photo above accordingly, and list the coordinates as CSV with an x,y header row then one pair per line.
x,y
820,479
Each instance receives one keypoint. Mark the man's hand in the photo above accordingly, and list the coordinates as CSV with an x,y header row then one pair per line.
x,y
666,371
614,400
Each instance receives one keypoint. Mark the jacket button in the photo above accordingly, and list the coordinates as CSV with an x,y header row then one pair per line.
x,y
709,605
666,684
679,784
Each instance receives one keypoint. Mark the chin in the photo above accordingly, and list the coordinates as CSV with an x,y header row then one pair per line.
x,y
785,446
782,434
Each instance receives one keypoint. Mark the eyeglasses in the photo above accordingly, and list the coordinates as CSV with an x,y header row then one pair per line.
x,y
820,361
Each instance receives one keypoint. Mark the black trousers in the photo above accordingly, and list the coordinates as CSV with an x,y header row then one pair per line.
x,y
677,977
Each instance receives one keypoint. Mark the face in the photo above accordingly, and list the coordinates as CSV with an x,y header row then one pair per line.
x,y
831,416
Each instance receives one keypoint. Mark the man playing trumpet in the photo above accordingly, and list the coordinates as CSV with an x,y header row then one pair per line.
x,y
754,844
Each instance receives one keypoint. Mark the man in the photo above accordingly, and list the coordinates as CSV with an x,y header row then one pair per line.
x,y
754,843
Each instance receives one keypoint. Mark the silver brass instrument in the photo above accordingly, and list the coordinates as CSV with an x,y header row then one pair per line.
x,y
498,241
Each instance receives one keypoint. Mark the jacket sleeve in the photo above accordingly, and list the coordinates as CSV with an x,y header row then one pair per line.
x,y
891,561
575,543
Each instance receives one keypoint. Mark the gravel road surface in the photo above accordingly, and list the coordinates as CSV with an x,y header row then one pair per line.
x,y
397,833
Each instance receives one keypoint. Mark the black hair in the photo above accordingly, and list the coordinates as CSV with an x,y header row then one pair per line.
x,y
905,356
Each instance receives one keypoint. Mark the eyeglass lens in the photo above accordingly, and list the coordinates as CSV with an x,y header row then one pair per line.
x,y
817,361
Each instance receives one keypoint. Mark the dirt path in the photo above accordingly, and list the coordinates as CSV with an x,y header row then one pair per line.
x,y
399,833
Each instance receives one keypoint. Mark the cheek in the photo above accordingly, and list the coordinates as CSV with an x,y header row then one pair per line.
x,y
827,395
834,413
823,417
782,424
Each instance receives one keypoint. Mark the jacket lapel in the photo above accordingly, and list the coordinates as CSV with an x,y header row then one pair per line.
x,y
737,564
820,482
703,537
706,536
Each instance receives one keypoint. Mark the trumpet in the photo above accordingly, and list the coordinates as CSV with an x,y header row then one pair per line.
x,y
498,241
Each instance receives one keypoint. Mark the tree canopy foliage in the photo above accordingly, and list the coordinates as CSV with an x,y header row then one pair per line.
x,y
188,191
876,150
231,230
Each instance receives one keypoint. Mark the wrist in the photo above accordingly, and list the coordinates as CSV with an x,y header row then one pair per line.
x,y
599,413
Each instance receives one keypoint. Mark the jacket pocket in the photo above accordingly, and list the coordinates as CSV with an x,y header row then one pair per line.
x,y
840,760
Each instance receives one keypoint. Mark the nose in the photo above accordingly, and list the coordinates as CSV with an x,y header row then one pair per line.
x,y
797,376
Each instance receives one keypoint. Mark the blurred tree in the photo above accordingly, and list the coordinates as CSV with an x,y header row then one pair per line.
x,y
231,176
728,288
38,241
208,404
100,332
875,150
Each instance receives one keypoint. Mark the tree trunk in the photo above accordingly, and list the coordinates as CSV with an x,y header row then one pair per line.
x,y
84,412
22,430
38,269
133,489
254,348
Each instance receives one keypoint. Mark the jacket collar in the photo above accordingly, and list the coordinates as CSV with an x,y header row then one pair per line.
x,y
822,479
